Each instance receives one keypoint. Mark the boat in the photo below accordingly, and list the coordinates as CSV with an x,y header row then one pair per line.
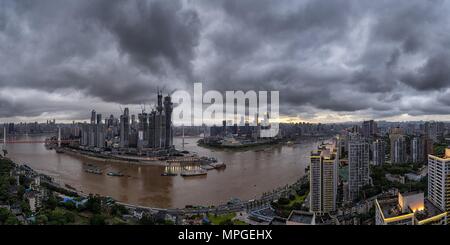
x,y
193,173
116,174
218,165
207,167
93,171
169,174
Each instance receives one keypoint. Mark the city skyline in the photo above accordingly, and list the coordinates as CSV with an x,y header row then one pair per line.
x,y
331,61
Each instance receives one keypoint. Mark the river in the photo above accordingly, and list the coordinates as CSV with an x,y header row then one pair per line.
x,y
248,174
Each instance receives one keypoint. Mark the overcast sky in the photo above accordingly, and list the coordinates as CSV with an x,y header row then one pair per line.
x,y
331,61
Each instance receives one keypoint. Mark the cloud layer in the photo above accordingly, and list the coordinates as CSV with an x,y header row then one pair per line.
x,y
330,60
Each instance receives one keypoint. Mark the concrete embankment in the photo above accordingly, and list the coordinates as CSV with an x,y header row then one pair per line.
x,y
105,159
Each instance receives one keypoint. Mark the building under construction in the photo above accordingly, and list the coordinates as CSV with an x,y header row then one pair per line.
x,y
153,130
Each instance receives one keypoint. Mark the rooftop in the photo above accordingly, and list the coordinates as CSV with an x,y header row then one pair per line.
x,y
326,150
446,156
411,203
391,208
278,221
430,211
301,217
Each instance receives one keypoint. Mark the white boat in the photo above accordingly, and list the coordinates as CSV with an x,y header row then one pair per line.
x,y
193,173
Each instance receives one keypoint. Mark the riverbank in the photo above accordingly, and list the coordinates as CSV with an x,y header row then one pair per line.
x,y
111,159
243,147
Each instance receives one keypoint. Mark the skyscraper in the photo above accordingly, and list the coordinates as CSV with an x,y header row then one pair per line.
x,y
434,130
323,180
142,129
358,161
168,108
99,118
378,152
152,130
369,129
99,132
398,150
93,116
439,180
125,128
417,149
398,145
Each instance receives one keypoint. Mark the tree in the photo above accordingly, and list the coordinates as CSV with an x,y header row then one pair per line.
x,y
11,220
41,219
4,214
57,217
98,219
226,222
118,210
70,217
147,220
51,203
70,205
94,204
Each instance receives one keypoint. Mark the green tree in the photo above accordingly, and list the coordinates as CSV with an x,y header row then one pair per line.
x,y
226,222
147,220
4,214
57,217
41,219
70,217
94,204
118,210
11,220
98,219
51,203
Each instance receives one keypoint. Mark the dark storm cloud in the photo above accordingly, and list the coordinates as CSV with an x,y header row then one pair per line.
x,y
435,74
362,58
151,33
119,51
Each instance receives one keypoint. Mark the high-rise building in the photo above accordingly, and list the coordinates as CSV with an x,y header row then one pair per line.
x,y
323,179
398,150
143,130
125,128
99,118
378,152
398,145
434,130
369,129
99,132
152,130
91,135
358,161
93,116
439,180
84,134
417,149
168,108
